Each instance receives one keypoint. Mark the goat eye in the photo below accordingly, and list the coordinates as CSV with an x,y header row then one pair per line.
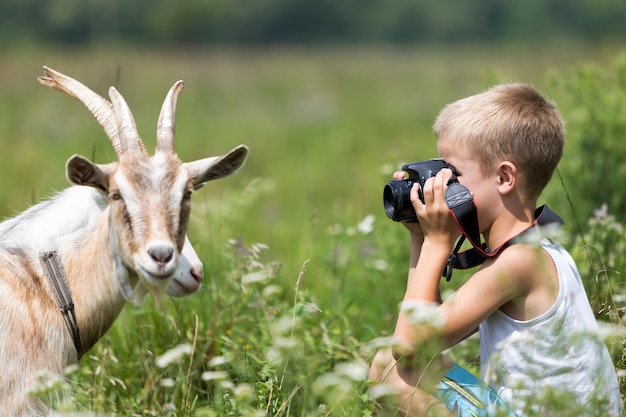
x,y
115,195
187,194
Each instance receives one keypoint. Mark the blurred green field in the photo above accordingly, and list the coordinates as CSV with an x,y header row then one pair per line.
x,y
325,127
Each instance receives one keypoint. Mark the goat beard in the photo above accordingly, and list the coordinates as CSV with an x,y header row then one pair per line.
x,y
138,293
143,288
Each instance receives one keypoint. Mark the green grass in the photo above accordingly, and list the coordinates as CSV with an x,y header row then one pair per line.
x,y
325,130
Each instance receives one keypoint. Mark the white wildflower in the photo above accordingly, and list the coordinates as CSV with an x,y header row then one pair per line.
x,y
218,361
167,382
276,356
173,355
254,277
355,371
48,382
271,290
253,412
282,349
214,375
381,342
603,331
329,380
258,247
619,298
311,307
227,384
423,313
243,392
284,325
366,226
382,390
285,343
550,231
168,408
68,370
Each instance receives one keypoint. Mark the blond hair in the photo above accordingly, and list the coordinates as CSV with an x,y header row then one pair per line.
x,y
509,122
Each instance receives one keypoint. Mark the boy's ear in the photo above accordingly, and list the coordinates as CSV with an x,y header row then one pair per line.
x,y
507,177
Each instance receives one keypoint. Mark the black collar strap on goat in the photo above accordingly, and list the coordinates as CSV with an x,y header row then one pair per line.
x,y
58,282
463,209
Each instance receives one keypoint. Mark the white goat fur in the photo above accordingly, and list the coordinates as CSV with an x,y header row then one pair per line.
x,y
119,232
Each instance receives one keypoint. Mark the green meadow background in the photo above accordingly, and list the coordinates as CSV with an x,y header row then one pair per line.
x,y
303,271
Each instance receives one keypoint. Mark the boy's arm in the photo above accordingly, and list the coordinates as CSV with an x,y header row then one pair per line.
x,y
429,253
521,275
427,261
498,281
511,275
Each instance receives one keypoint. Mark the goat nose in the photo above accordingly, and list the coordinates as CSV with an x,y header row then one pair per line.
x,y
197,273
161,254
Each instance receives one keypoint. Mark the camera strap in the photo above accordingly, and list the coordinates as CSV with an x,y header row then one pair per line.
x,y
461,205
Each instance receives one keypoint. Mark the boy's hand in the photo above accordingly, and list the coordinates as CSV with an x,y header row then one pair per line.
x,y
435,220
413,227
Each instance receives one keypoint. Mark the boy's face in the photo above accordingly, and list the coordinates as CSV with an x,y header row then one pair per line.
x,y
483,187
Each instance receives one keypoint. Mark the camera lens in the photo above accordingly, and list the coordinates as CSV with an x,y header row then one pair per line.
x,y
397,200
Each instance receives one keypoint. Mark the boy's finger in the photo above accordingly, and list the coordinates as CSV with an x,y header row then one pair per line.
x,y
447,174
441,181
414,195
399,175
428,191
444,176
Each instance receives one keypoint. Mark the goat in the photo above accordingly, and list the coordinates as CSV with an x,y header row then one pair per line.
x,y
129,240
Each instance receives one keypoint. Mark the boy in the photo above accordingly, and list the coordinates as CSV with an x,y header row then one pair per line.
x,y
527,301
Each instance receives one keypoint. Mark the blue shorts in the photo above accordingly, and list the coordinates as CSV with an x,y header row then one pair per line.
x,y
468,396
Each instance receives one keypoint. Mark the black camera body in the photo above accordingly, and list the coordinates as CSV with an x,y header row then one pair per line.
x,y
396,195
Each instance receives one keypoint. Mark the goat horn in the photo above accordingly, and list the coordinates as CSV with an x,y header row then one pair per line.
x,y
99,107
167,123
126,127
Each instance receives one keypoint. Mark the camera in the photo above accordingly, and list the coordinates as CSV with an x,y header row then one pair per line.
x,y
396,195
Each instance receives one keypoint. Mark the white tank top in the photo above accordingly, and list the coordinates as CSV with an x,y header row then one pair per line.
x,y
560,349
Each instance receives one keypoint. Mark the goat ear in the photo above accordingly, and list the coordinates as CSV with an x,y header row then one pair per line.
x,y
208,169
81,171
